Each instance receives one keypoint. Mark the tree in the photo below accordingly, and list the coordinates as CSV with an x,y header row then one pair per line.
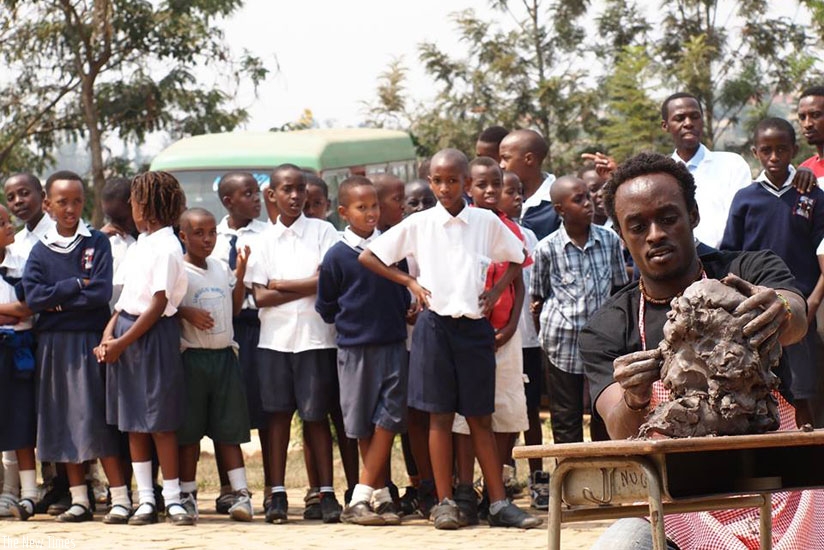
x,y
93,68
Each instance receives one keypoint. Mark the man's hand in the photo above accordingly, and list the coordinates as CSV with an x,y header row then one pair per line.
x,y
604,165
804,180
770,309
636,372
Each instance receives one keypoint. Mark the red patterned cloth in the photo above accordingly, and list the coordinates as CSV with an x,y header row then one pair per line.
x,y
797,516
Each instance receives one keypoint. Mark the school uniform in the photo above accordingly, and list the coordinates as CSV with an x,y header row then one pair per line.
x,y
24,240
296,351
120,248
246,324
452,361
145,389
530,343
369,313
215,393
17,365
70,322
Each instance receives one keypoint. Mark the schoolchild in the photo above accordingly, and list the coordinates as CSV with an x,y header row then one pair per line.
x,y
296,353
510,204
120,228
239,192
418,197
771,214
391,199
317,197
484,188
141,346
215,391
369,313
489,141
24,197
67,281
452,361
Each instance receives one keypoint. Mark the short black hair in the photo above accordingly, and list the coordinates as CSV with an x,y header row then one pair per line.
x,y
677,95
31,180
286,167
317,181
813,91
117,189
487,162
227,183
64,175
649,163
493,134
350,183
194,211
774,123
452,155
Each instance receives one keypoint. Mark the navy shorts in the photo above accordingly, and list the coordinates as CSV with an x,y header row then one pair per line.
x,y
303,381
452,365
373,388
247,336
534,371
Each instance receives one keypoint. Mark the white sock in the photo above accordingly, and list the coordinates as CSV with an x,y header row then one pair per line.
x,y
326,489
171,491
497,506
188,486
143,477
278,489
120,496
11,479
237,478
382,495
28,485
361,493
80,495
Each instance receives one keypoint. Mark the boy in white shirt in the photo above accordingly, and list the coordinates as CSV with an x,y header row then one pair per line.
x,y
296,354
452,360
215,393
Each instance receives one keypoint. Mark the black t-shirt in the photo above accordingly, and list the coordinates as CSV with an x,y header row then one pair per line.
x,y
613,330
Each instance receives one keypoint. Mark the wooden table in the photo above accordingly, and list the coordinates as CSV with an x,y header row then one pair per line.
x,y
654,477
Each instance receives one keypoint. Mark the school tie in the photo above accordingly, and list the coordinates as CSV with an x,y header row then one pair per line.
x,y
233,252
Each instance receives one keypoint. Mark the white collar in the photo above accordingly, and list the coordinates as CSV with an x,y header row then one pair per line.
x,y
298,226
701,155
357,242
53,239
254,226
42,227
542,193
444,217
786,186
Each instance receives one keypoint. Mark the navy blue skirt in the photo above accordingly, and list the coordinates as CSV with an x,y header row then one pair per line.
x,y
71,399
18,411
145,388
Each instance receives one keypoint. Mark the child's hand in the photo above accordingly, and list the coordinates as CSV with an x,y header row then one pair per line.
x,y
503,336
112,350
812,309
242,261
804,180
488,299
8,320
420,294
110,230
412,314
200,318
273,284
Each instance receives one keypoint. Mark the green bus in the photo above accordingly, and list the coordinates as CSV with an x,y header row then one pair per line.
x,y
198,162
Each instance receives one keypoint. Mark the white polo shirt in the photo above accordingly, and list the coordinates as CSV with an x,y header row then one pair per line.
x,y
24,240
153,264
453,254
289,253
718,177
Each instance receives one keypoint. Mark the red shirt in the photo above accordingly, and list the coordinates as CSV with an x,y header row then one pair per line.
x,y
502,310
816,164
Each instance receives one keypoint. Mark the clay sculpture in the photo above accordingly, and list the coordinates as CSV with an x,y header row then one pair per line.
x,y
720,384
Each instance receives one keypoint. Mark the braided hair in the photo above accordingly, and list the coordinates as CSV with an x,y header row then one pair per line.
x,y
160,197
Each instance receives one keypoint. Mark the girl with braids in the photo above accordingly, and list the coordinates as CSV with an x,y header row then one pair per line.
x,y
141,346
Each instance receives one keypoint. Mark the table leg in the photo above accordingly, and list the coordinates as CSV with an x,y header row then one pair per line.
x,y
656,507
765,517
556,483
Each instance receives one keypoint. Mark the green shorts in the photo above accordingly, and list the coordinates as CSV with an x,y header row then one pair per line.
x,y
215,398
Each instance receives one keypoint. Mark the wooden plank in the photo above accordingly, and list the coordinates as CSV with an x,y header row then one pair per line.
x,y
635,447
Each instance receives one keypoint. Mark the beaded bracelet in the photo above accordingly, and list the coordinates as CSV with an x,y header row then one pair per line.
x,y
643,407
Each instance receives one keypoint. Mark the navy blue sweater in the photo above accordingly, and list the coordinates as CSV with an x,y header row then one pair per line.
x,y
366,308
541,219
791,225
50,281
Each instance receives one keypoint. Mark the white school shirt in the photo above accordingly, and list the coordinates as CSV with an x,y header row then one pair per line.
x,y
245,236
453,254
209,289
529,335
289,253
718,177
24,240
120,248
14,265
154,264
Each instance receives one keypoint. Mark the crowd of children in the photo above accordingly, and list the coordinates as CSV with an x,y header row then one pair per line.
x,y
442,313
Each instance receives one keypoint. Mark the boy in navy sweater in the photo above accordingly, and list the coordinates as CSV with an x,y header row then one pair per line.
x,y
770,214
372,359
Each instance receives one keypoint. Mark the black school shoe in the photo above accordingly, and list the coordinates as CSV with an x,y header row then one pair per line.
x,y
409,501
446,515
145,517
23,509
176,514
117,519
512,516
277,510
361,513
330,508
467,500
73,517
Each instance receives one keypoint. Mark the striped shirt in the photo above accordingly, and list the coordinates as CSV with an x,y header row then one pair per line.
x,y
573,283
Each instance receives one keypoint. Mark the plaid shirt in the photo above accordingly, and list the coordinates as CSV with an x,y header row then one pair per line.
x,y
573,283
